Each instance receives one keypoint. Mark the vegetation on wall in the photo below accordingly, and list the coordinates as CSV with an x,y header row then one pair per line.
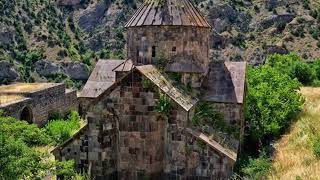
x,y
209,118
163,105
212,122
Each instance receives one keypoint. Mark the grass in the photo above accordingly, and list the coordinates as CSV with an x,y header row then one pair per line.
x,y
24,87
9,98
294,157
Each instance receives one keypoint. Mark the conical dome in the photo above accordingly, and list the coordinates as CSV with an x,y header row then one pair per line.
x,y
167,12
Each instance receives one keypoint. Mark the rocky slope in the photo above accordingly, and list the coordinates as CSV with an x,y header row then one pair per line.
x,y
43,40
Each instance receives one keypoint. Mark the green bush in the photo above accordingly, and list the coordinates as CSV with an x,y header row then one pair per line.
x,y
74,54
60,130
293,66
272,102
163,105
207,115
21,130
65,169
257,168
316,67
304,73
19,158
18,161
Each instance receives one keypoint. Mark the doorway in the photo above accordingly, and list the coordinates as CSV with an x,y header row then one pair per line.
x,y
26,115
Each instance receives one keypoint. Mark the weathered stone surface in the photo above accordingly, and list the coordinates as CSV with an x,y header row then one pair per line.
x,y
68,2
281,18
274,49
6,34
258,56
225,82
127,136
221,25
181,44
92,17
77,70
47,68
41,100
7,71
271,4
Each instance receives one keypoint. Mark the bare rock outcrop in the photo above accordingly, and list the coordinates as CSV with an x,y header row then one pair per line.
x,y
7,71
77,70
6,34
93,16
47,68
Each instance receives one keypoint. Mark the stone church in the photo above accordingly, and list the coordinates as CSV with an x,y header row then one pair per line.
x,y
140,110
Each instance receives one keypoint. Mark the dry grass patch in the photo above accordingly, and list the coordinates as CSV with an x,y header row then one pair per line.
x,y
4,99
24,87
294,157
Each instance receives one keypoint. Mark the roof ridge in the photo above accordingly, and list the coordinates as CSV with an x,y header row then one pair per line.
x,y
175,93
214,144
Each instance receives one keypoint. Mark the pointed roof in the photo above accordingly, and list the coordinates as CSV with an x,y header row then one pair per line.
x,y
225,82
101,78
167,12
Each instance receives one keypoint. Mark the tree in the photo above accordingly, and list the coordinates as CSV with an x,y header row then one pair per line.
x,y
19,158
272,102
293,66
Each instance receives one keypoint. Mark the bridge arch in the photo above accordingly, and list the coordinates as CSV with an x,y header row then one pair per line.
x,y
26,114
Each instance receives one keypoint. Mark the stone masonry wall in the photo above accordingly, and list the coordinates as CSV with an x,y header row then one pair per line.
x,y
44,102
52,100
14,109
75,149
203,162
127,139
170,41
140,129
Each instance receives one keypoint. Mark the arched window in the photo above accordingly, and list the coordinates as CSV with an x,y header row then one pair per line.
x,y
153,51
26,115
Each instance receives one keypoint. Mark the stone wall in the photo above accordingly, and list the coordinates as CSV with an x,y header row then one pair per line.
x,y
204,162
139,129
172,42
126,139
50,101
45,102
75,149
14,109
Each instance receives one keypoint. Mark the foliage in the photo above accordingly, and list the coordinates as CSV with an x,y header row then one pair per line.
x,y
30,134
146,83
18,161
19,158
304,73
257,168
316,67
60,130
207,115
293,66
163,105
65,169
73,53
272,101
162,61
175,76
